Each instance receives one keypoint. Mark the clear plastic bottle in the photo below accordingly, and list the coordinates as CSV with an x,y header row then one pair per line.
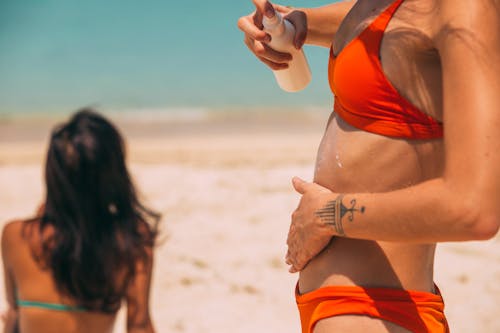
x,y
298,75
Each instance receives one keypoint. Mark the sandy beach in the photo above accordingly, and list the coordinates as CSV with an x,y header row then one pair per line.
x,y
222,183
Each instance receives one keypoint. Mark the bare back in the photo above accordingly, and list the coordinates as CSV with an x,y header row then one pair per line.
x,y
33,283
27,280
353,161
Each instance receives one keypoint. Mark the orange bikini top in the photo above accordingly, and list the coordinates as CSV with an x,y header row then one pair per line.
x,y
365,98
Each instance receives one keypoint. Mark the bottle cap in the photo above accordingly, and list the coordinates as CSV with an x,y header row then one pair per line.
x,y
270,23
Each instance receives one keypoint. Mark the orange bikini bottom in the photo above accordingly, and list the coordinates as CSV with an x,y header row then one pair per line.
x,y
417,311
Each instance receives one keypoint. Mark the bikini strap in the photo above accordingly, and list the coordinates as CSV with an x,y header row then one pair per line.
x,y
380,23
378,26
50,306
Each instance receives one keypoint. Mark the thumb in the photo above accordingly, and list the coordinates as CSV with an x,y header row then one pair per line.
x,y
299,185
299,20
265,7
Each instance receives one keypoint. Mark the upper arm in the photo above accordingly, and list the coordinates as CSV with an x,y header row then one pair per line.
x,y
9,242
138,316
8,233
467,36
323,22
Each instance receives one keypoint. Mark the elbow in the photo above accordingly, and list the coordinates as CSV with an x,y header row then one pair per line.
x,y
478,223
486,227
474,210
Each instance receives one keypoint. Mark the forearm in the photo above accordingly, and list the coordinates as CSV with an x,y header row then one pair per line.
x,y
138,316
323,22
426,213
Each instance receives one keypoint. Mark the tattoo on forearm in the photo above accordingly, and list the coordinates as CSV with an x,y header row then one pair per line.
x,y
334,211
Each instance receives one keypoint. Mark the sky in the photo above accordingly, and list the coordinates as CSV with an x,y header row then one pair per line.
x,y
60,54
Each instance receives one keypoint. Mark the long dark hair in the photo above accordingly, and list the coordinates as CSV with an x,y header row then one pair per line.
x,y
100,228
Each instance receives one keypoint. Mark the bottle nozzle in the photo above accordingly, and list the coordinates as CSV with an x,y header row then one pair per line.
x,y
271,22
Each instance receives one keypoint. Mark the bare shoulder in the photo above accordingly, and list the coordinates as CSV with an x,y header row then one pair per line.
x,y
478,16
467,33
11,239
12,231
18,233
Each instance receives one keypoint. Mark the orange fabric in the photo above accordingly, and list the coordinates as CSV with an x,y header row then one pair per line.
x,y
417,311
365,98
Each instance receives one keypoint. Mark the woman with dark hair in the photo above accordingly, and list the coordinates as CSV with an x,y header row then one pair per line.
x,y
90,245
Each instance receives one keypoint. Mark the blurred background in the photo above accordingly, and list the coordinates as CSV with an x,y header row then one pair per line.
x,y
58,55
212,142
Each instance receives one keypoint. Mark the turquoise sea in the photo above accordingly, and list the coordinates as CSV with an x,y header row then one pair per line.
x,y
58,55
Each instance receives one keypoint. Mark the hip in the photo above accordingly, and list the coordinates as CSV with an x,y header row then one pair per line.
x,y
353,262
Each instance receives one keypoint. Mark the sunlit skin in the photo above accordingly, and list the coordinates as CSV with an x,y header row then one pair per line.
x,y
36,283
444,57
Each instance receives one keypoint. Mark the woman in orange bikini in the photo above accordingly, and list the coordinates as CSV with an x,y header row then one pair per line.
x,y
89,247
409,156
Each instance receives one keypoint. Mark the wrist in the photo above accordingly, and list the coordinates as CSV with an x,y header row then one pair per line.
x,y
338,212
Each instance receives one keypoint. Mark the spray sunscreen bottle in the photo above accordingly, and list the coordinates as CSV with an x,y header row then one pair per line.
x,y
298,75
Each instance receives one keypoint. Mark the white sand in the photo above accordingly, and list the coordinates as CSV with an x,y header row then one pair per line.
x,y
226,199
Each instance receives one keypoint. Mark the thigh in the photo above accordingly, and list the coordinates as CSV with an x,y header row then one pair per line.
x,y
357,324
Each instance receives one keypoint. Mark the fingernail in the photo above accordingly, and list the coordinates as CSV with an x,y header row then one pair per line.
x,y
269,11
267,39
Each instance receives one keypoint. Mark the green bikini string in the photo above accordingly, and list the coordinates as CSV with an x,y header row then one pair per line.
x,y
50,306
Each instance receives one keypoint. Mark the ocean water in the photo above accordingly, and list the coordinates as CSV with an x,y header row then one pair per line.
x,y
59,55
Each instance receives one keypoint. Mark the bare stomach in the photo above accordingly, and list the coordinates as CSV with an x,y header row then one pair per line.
x,y
353,161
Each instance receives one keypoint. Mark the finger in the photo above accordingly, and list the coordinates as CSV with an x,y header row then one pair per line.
x,y
300,39
246,25
257,19
296,267
301,261
299,21
299,185
290,257
283,9
293,267
264,51
287,258
264,7
291,234
274,66
259,51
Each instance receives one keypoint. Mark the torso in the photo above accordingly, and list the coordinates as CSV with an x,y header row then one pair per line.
x,y
352,161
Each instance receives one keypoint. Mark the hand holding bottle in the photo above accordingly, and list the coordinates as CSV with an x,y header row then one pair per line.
x,y
298,75
256,38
